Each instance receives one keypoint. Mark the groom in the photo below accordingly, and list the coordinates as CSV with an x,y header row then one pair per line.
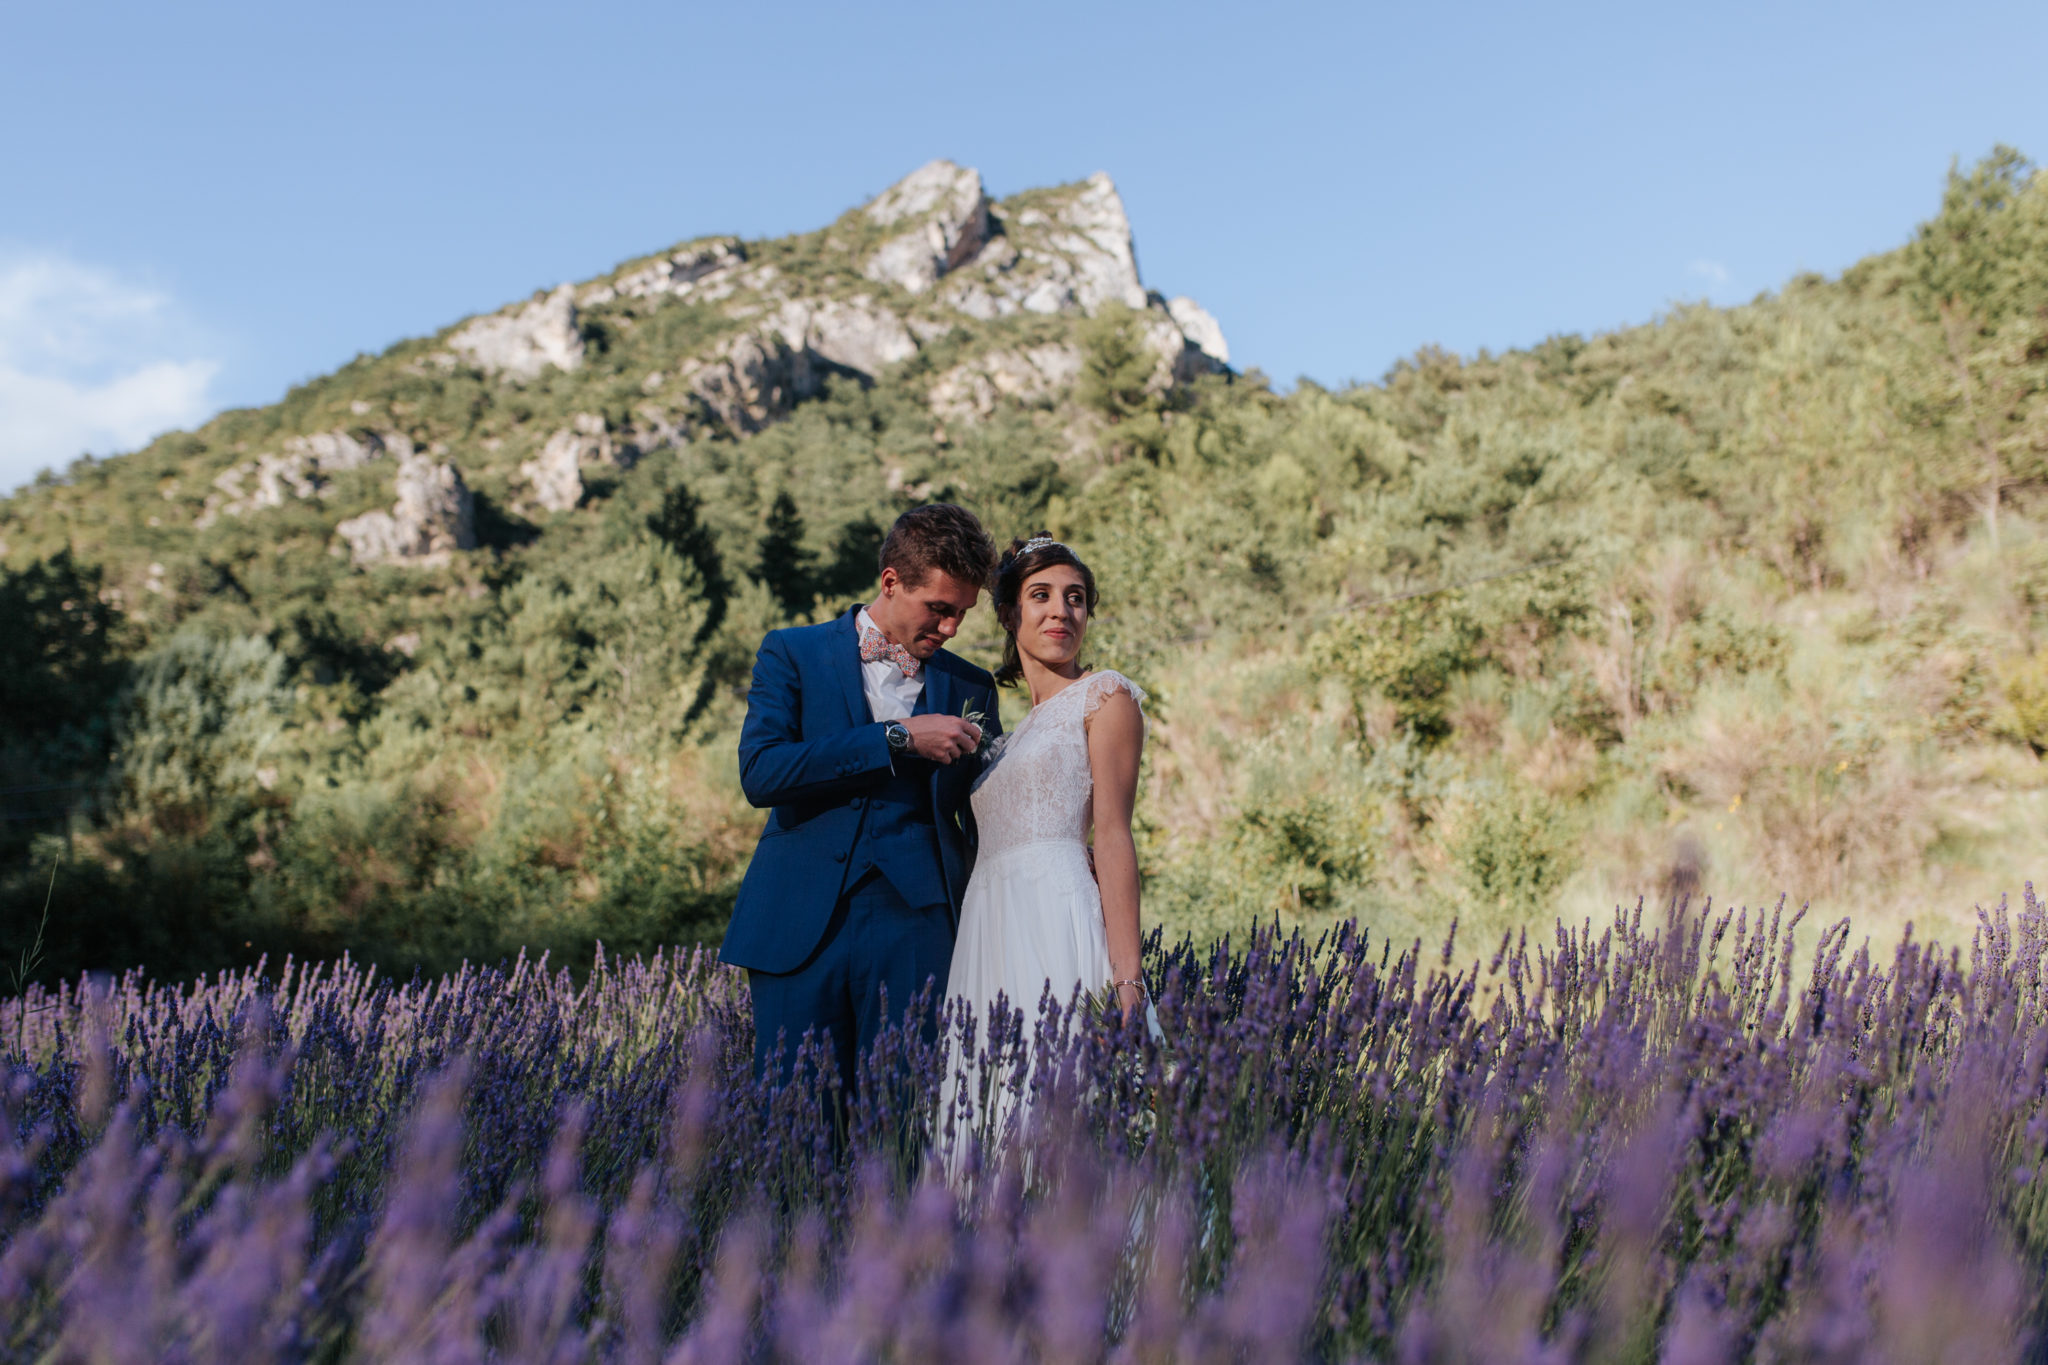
x,y
855,736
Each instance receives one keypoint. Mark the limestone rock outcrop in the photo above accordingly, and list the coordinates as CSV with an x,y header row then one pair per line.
x,y
1179,360
301,471
555,475
677,274
519,345
254,485
855,334
751,380
947,211
433,517
970,390
1068,254
1201,330
1093,238
330,452
757,377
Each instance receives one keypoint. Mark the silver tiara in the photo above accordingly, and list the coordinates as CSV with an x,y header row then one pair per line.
x,y
1037,543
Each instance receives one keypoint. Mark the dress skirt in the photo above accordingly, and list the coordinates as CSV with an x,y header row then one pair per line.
x,y
1031,931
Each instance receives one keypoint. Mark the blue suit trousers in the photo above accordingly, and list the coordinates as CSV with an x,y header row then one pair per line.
x,y
876,948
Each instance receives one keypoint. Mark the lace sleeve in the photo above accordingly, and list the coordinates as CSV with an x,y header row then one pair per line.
x,y
1105,684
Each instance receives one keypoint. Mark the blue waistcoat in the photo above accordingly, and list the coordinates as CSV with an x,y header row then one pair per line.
x,y
899,833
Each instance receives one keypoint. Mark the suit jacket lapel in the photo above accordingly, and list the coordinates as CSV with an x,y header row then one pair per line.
x,y
938,701
846,668
938,692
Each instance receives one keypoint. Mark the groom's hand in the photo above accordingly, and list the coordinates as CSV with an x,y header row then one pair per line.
x,y
942,738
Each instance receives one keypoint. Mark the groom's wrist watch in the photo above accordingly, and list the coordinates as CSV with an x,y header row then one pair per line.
x,y
898,736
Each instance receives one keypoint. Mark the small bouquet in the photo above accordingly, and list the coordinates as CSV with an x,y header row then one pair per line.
x,y
978,719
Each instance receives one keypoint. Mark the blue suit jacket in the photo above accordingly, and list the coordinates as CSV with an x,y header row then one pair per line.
x,y
810,750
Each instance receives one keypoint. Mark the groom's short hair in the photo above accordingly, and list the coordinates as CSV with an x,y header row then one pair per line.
x,y
943,537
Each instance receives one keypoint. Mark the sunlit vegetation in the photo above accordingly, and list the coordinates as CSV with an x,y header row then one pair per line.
x,y
1741,602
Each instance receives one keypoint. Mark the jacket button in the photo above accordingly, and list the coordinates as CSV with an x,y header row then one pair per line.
x,y
840,856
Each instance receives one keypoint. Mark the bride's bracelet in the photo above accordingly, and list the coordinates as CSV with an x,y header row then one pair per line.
x,y
1136,981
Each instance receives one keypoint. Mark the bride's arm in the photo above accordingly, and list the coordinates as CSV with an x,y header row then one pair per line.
x,y
1116,740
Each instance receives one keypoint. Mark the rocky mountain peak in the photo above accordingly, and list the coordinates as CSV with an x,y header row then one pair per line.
x,y
937,187
716,337
947,213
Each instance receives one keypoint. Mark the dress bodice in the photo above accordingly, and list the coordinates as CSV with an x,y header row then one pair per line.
x,y
1036,785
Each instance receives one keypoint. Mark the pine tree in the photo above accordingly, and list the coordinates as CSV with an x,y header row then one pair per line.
x,y
676,525
852,567
1117,367
1121,379
60,658
1976,269
783,565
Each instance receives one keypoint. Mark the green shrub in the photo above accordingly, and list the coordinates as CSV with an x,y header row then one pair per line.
x,y
1408,654
2026,688
1298,856
202,722
1513,849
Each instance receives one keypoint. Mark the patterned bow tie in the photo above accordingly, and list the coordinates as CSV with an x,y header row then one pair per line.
x,y
874,646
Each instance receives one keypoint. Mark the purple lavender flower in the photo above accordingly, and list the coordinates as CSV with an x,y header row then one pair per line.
x,y
1619,1142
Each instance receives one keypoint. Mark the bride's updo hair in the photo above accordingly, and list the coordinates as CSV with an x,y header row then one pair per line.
x,y
1018,563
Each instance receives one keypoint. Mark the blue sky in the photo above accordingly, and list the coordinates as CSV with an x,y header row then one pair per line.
x,y
206,203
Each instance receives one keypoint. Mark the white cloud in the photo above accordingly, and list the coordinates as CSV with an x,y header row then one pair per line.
x,y
1713,272
89,361
48,421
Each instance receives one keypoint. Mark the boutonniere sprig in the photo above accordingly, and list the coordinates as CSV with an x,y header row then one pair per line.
x,y
978,719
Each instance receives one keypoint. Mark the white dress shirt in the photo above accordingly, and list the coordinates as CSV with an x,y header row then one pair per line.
x,y
891,696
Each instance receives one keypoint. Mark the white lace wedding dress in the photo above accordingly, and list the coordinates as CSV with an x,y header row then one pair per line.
x,y
1032,916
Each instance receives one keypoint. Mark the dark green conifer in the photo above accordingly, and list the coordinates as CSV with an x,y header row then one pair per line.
x,y
61,658
676,525
1116,365
853,566
783,564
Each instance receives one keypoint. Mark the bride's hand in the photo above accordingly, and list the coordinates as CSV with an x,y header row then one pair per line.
x,y
1131,998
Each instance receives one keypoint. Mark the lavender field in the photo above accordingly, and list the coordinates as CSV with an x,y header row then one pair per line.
x,y
1646,1141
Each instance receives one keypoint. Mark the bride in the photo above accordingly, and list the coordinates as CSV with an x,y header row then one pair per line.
x,y
1035,917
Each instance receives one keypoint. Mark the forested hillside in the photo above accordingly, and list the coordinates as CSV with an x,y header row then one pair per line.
x,y
445,653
